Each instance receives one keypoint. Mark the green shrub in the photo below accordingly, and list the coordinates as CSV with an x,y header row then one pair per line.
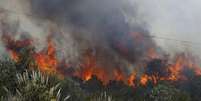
x,y
34,86
167,93
72,88
100,97
7,76
195,88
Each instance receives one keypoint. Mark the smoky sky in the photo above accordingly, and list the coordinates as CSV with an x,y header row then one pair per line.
x,y
106,26
170,18
105,20
176,19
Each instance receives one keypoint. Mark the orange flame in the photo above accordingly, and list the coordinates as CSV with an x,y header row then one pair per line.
x,y
14,56
13,45
89,67
144,80
131,79
47,61
87,74
119,75
183,62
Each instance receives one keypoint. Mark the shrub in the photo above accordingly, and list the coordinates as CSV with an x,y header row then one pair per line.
x,y
72,88
167,93
101,97
195,88
7,76
34,86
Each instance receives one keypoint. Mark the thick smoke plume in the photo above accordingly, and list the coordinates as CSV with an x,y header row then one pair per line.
x,y
102,27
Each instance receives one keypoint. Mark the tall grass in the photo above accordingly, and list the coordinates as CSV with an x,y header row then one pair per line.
x,y
102,97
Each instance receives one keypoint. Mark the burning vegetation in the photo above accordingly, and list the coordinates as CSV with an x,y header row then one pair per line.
x,y
46,59
112,55
155,68
92,77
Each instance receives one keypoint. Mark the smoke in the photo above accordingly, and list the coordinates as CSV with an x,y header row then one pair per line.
x,y
176,19
112,30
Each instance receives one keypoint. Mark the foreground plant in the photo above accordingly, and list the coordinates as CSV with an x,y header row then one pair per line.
x,y
35,86
101,97
167,93
7,76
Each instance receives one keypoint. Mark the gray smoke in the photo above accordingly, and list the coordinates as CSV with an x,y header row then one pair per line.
x,y
104,27
175,19
112,30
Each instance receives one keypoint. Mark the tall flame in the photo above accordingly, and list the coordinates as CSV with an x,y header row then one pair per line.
x,y
144,79
131,79
46,60
89,67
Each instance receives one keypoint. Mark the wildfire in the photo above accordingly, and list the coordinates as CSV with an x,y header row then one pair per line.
x,y
119,75
14,56
89,67
131,79
183,62
14,46
144,79
46,60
